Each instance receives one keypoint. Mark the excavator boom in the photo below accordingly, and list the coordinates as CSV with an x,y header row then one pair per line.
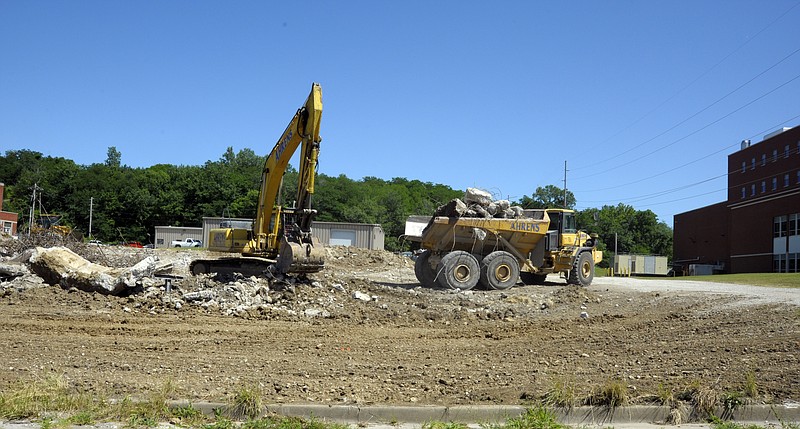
x,y
280,239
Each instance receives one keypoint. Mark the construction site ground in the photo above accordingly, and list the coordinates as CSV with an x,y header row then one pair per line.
x,y
364,332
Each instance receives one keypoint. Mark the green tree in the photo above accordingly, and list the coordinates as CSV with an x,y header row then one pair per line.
x,y
113,157
634,231
548,197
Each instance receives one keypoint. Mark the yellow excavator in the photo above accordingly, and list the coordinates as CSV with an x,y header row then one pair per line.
x,y
280,241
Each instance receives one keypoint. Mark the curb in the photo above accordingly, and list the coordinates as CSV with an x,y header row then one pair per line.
x,y
478,414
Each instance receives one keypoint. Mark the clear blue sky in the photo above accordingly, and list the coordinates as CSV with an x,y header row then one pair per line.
x,y
638,97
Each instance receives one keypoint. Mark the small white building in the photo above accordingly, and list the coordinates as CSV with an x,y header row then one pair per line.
x,y
167,234
640,264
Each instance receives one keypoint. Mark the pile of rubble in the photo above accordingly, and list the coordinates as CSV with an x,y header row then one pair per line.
x,y
156,281
479,203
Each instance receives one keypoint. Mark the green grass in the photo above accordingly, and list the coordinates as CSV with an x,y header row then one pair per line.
x,y
561,395
539,417
612,394
787,280
55,405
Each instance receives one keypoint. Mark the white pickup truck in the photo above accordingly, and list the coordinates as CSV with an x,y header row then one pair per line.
x,y
189,242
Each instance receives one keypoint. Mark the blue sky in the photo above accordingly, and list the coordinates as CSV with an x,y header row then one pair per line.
x,y
643,99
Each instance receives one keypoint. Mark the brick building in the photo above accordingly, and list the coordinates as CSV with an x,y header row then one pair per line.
x,y
8,220
758,228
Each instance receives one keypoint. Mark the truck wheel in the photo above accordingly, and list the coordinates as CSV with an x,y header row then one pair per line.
x,y
458,270
423,270
499,270
532,278
582,271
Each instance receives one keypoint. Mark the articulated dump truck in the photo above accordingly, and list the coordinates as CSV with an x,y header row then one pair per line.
x,y
463,246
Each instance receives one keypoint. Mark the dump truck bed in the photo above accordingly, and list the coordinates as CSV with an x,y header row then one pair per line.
x,y
480,235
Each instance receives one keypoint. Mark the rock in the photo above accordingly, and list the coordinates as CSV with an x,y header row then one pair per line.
x,y
10,270
361,296
61,266
477,196
584,315
201,295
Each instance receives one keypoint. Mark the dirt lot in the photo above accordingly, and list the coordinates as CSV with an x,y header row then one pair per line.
x,y
363,331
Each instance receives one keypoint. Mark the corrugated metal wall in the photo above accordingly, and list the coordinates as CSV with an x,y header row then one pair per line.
x,y
166,234
363,235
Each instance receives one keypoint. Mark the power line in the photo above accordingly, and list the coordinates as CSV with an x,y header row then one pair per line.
x,y
680,188
692,83
690,162
692,116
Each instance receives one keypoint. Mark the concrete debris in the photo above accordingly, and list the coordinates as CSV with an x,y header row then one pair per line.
x,y
12,270
361,296
62,266
201,295
478,203
479,234
477,196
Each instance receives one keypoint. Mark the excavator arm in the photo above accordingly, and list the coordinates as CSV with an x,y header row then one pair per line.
x,y
303,132
280,239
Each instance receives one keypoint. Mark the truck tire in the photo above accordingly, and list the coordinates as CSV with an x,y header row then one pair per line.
x,y
532,278
582,271
458,270
499,270
423,270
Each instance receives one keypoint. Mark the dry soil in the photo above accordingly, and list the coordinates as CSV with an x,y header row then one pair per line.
x,y
363,331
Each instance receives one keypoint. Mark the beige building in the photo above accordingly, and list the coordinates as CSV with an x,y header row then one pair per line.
x,y
167,234
366,236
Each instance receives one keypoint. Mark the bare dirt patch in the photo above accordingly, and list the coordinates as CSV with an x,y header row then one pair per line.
x,y
363,331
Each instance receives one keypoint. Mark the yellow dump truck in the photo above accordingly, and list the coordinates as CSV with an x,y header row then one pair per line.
x,y
461,252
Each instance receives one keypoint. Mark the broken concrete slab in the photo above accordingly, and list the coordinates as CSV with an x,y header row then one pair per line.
x,y
11,270
61,266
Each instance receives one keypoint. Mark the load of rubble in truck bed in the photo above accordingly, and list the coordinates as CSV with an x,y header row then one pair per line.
x,y
479,203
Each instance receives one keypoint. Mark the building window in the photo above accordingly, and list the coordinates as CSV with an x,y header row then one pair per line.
x,y
785,180
794,224
786,151
753,164
763,186
774,183
763,159
794,263
774,155
780,226
744,192
753,190
779,263
744,166
798,177
7,227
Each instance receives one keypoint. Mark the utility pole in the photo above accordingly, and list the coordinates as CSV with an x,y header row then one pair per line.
x,y
91,205
614,262
33,205
565,184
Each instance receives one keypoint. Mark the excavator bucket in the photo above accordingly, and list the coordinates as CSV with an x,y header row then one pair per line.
x,y
300,257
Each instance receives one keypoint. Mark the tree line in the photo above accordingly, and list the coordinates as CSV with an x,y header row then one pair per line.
x,y
128,203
